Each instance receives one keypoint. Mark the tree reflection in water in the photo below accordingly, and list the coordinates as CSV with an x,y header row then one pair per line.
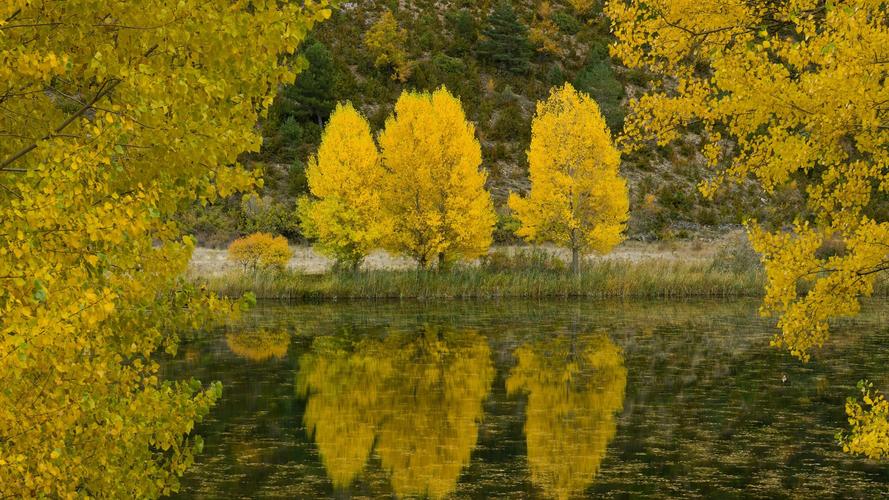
x,y
415,398
259,345
575,386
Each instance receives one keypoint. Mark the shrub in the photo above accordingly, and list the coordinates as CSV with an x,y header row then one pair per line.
x,y
265,215
567,23
260,251
504,231
737,256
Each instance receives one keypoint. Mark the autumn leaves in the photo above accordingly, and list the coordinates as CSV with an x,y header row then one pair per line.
x,y
422,195
578,198
418,190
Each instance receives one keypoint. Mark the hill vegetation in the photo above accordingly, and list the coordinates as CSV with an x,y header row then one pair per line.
x,y
499,58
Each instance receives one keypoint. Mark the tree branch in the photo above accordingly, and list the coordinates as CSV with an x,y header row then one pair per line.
x,y
104,90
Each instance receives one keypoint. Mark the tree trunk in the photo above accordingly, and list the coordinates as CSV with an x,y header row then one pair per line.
x,y
441,261
575,261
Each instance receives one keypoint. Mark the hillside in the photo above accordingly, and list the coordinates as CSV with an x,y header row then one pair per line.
x,y
499,59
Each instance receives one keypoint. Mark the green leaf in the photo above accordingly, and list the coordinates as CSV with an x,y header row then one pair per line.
x,y
39,291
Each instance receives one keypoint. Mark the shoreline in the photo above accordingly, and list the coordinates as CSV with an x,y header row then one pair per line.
x,y
681,270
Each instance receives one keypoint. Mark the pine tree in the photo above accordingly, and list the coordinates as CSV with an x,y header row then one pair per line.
x,y
505,43
598,80
311,97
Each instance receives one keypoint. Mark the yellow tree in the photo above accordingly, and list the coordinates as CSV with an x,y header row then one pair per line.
x,y
575,387
582,6
433,190
783,92
116,113
387,43
578,198
345,178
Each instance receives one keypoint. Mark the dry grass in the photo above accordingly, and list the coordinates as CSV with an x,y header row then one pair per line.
x,y
635,270
606,278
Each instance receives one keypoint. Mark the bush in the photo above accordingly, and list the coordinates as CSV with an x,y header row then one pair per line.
x,y
265,215
567,23
736,256
260,251
504,231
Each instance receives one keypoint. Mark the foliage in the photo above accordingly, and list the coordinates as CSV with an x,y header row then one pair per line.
x,y
345,177
798,88
505,40
433,190
578,198
260,251
115,115
465,30
266,215
387,41
597,79
312,95
567,23
544,33
575,386
440,45
869,433
582,6
357,392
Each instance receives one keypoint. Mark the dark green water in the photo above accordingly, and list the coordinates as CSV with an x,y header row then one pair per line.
x,y
520,399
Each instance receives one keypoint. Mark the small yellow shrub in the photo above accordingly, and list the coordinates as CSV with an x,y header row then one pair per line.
x,y
260,251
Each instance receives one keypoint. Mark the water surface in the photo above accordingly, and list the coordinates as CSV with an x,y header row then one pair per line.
x,y
521,399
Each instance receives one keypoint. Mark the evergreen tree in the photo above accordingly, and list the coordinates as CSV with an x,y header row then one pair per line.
x,y
505,42
598,80
465,31
311,97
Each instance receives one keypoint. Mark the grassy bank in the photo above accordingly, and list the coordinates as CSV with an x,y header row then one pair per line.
x,y
599,279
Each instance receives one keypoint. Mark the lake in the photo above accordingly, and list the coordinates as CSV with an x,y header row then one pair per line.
x,y
528,399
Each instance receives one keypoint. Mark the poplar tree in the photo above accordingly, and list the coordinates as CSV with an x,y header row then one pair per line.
x,y
345,178
799,91
115,115
433,188
578,198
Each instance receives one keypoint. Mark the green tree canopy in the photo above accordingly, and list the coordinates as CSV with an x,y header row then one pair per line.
x,y
505,43
312,96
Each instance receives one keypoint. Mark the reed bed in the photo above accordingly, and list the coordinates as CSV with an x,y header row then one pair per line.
x,y
598,279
